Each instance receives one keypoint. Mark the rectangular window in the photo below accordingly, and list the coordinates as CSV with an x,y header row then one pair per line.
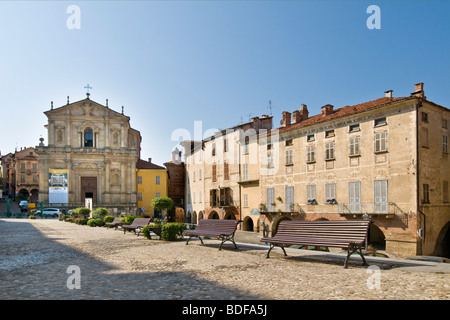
x,y
380,142
270,199
426,193
329,133
445,143
380,122
34,167
445,196
270,161
310,154
330,193
158,179
22,178
139,179
353,146
354,196
226,173
289,199
158,195
329,151
225,144
424,117
213,151
245,172
354,128
289,142
22,167
246,142
311,194
214,173
289,157
200,174
381,196
140,196
444,123
245,200
310,137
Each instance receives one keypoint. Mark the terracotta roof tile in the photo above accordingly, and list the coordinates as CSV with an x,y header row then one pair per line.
x,y
346,111
142,164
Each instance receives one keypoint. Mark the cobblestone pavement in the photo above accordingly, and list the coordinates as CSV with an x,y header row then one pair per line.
x,y
35,256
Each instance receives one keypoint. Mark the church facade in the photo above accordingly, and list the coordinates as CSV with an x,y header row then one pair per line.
x,y
91,153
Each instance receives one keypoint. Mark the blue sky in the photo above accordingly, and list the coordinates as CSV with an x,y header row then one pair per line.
x,y
170,63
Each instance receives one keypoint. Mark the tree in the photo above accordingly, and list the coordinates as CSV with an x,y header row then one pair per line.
x,y
162,203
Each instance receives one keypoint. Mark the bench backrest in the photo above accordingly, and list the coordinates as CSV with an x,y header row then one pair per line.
x,y
141,222
338,233
227,226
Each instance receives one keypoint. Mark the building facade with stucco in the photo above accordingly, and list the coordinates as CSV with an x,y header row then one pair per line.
x,y
91,153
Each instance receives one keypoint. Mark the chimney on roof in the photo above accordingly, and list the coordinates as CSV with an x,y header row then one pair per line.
x,y
150,160
388,94
304,112
327,109
418,90
296,117
286,119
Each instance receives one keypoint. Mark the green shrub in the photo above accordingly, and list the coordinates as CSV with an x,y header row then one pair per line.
x,y
128,219
95,222
172,231
68,219
80,221
81,211
109,219
100,213
146,232
32,217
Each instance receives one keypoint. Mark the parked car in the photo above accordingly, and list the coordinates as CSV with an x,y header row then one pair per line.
x,y
23,205
50,211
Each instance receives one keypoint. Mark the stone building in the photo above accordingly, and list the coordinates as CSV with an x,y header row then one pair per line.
x,y
385,160
92,153
26,172
214,171
176,179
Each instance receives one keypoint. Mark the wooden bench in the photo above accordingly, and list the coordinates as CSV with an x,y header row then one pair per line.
x,y
213,228
345,234
113,224
137,224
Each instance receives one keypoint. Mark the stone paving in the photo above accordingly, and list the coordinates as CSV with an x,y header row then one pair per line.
x,y
36,258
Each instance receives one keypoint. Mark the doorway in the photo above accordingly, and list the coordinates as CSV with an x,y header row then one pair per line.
x,y
89,188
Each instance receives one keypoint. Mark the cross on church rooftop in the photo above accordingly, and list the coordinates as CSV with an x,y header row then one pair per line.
x,y
87,87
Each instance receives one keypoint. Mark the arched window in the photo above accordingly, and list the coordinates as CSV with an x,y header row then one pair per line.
x,y
88,138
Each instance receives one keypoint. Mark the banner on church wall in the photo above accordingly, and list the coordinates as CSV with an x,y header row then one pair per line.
x,y
58,186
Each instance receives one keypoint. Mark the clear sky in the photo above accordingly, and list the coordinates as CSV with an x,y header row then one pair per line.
x,y
170,63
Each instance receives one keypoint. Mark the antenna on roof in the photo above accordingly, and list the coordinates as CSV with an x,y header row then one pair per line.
x,y
270,107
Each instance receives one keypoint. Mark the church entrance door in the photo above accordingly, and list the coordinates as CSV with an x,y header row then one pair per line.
x,y
89,188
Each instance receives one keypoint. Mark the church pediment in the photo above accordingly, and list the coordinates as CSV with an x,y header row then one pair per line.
x,y
85,108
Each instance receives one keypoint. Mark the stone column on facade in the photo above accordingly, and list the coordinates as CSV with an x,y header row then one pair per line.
x,y
107,181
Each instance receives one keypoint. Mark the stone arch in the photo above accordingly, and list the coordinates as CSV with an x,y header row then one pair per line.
x,y
23,194
229,216
200,216
277,222
248,224
376,237
442,247
321,219
213,215
194,217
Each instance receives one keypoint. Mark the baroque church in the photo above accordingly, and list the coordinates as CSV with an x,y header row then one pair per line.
x,y
91,154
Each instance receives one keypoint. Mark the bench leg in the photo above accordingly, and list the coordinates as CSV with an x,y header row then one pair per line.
x,y
272,246
190,239
352,249
224,238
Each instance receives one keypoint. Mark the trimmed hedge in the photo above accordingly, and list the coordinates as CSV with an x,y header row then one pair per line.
x,y
172,231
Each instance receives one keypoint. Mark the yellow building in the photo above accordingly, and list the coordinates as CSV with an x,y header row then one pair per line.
x,y
151,183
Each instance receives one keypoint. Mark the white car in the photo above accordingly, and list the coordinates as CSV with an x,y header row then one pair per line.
x,y
50,211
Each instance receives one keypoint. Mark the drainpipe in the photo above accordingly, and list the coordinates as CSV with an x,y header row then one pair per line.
x,y
422,236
